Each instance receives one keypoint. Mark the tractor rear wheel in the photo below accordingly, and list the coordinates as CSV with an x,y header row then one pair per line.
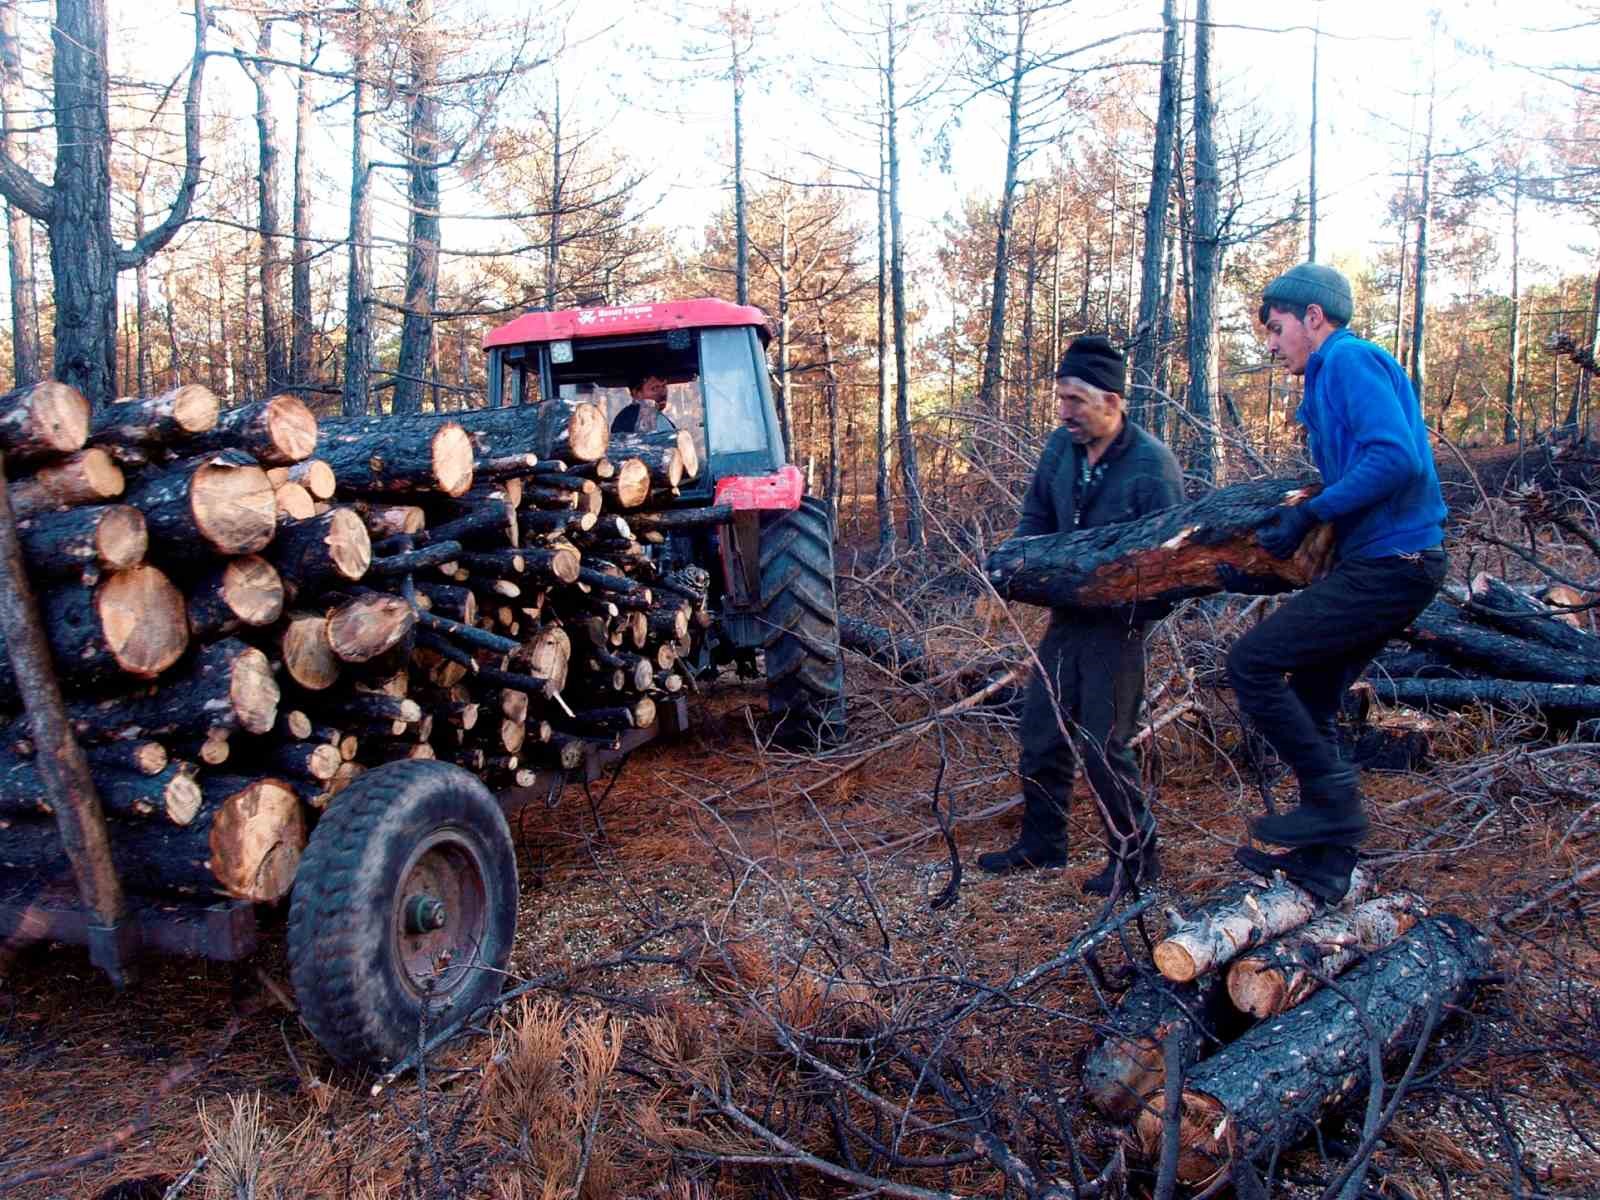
x,y
800,626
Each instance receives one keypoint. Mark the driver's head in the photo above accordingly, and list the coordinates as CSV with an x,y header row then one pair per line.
x,y
649,387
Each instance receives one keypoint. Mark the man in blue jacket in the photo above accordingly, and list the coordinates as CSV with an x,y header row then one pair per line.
x,y
1366,435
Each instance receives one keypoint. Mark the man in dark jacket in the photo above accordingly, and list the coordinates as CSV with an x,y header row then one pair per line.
x,y
1097,469
1366,434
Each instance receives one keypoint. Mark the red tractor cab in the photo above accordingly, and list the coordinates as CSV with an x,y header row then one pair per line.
x,y
743,518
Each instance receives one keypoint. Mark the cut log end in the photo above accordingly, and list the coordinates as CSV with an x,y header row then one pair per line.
x,y
256,841
1255,987
1206,1137
452,459
588,433
316,477
369,626
43,420
308,654
121,538
233,505
294,502
143,619
632,482
291,427
183,799
254,692
349,544
1174,962
194,408
253,590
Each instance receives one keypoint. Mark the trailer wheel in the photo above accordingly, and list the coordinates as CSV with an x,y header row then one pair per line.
x,y
800,625
404,910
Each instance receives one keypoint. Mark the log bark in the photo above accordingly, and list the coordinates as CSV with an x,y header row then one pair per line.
x,y
680,518
1285,972
239,592
137,426
132,622
1127,1063
42,420
383,456
1193,549
245,842
681,440
277,431
575,433
1269,1088
1238,918
1442,627
87,477
663,463
216,502
903,655
170,795
1509,610
325,551
229,686
96,537
1564,700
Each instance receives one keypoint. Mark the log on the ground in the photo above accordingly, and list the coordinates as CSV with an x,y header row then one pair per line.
x,y
1193,549
1269,1088
1238,918
94,537
220,502
1501,605
1274,978
42,420
1444,628
1127,1063
277,431
386,456
87,477
1564,700
904,655
133,427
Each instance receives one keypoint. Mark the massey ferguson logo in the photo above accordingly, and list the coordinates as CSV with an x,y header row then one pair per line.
x,y
606,316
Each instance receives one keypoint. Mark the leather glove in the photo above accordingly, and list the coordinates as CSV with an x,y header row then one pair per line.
x,y
1284,529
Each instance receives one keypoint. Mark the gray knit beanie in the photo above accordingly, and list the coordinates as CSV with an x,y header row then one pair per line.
x,y
1311,283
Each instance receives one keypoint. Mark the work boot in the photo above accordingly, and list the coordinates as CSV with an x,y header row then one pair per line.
x,y
1324,871
1328,812
1023,856
1146,862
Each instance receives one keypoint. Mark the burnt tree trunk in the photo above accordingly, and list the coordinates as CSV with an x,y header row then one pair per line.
x,y
1503,606
1442,627
131,429
1567,700
87,477
279,431
216,502
379,456
1207,545
42,420
96,537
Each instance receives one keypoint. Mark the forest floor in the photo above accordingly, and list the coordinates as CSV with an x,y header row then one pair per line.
x,y
737,893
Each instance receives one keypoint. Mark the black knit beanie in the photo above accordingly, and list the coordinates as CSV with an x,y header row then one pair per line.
x,y
1093,359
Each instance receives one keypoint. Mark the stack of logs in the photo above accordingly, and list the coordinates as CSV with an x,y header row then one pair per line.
x,y
246,608
1255,1001
1500,647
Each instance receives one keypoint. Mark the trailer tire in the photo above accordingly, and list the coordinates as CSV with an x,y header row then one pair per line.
x,y
800,626
404,910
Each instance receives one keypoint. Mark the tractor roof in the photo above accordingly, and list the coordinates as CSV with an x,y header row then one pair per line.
x,y
623,319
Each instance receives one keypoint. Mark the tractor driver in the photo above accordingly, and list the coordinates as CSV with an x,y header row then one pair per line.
x,y
645,414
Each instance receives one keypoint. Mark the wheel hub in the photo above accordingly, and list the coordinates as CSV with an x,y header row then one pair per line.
x,y
424,914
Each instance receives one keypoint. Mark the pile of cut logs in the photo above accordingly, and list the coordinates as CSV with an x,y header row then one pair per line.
x,y
1256,1002
246,608
1496,646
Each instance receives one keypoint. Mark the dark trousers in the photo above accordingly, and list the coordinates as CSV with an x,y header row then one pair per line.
x,y
1093,684
1290,672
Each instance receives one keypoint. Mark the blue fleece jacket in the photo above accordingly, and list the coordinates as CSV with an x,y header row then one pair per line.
x,y
1368,439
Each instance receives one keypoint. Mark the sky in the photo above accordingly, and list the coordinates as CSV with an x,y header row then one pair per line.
x,y
628,69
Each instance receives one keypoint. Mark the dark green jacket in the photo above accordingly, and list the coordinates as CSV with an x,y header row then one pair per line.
x,y
1137,475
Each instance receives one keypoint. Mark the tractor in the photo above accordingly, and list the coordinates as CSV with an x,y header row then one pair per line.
x,y
767,546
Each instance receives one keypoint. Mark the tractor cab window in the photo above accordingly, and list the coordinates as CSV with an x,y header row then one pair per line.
x,y
513,378
606,371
